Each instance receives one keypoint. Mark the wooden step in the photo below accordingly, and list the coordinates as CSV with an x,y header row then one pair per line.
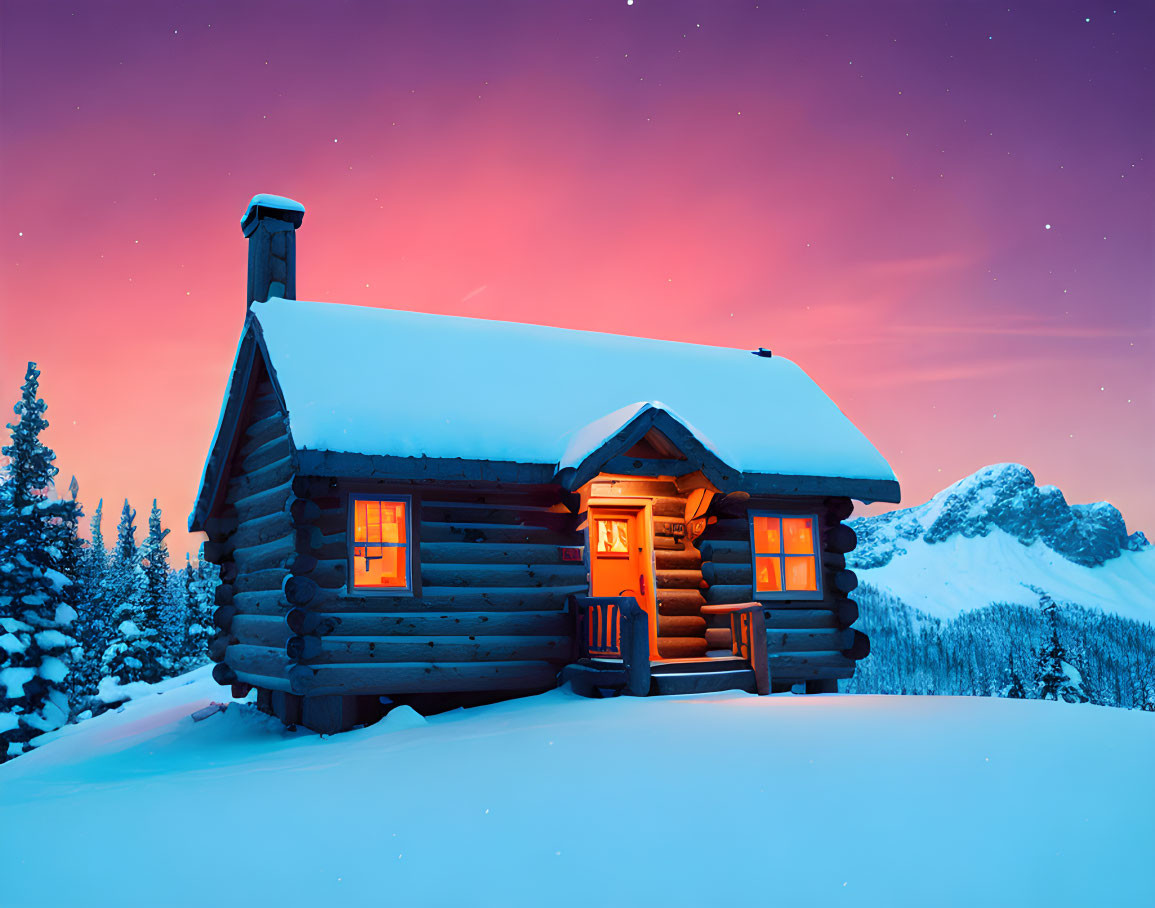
x,y
681,647
681,626
677,559
680,602
703,682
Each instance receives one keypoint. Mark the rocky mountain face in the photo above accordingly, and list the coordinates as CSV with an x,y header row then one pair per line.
x,y
1000,496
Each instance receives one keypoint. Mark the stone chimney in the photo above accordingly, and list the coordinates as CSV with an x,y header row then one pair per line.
x,y
270,223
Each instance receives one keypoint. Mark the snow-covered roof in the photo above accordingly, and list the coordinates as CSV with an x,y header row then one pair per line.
x,y
358,380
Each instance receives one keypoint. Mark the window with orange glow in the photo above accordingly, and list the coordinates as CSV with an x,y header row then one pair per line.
x,y
786,556
380,543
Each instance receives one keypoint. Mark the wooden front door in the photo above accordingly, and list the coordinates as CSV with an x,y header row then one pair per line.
x,y
621,558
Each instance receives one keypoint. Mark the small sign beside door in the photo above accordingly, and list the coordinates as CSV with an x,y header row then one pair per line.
x,y
572,553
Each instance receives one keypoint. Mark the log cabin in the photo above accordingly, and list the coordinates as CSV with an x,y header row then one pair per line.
x,y
439,510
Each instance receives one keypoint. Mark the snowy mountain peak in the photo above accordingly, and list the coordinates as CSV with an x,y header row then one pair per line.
x,y
1001,496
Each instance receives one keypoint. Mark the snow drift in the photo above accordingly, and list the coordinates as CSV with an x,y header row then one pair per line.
x,y
713,799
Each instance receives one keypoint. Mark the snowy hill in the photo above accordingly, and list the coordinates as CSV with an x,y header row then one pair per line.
x,y
989,537
706,800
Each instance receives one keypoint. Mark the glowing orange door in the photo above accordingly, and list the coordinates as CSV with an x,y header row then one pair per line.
x,y
621,563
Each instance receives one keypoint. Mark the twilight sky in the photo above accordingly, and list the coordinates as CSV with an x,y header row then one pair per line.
x,y
864,188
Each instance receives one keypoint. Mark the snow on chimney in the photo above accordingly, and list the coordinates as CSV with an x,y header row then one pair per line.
x,y
270,223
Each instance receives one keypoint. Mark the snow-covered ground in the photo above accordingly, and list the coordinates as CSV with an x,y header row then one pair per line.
x,y
554,800
961,573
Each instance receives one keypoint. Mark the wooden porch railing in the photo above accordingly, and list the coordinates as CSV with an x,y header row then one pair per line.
x,y
611,628
748,628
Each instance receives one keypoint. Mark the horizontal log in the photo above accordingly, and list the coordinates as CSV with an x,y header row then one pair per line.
x,y
301,648
719,638
299,590
257,660
454,599
677,579
682,647
303,512
260,630
681,626
264,682
298,563
329,573
303,621
264,479
264,404
468,531
677,559
259,581
223,616
477,624
837,509
504,575
311,541
224,674
262,503
725,528
219,644
272,554
262,430
809,618
420,677
442,649
679,602
717,573
669,507
270,452
845,581
223,594
803,666
489,553
859,646
847,612
730,551
261,602
840,538
261,530
804,641
726,594
449,512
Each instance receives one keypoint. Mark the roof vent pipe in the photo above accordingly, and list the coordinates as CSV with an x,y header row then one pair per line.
x,y
270,223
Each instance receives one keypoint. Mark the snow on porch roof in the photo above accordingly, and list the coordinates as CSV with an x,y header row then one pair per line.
x,y
373,381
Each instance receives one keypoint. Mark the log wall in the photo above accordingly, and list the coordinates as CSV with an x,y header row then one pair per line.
x,y
810,641
488,611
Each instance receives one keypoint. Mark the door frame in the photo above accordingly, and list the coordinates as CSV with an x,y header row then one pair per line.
x,y
645,510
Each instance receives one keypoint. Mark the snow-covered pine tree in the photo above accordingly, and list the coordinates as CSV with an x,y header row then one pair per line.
x,y
138,651
201,595
124,588
35,615
95,613
1057,678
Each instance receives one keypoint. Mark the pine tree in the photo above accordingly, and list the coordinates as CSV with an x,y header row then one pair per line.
x,y
1058,679
1016,691
92,626
35,613
201,595
128,656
